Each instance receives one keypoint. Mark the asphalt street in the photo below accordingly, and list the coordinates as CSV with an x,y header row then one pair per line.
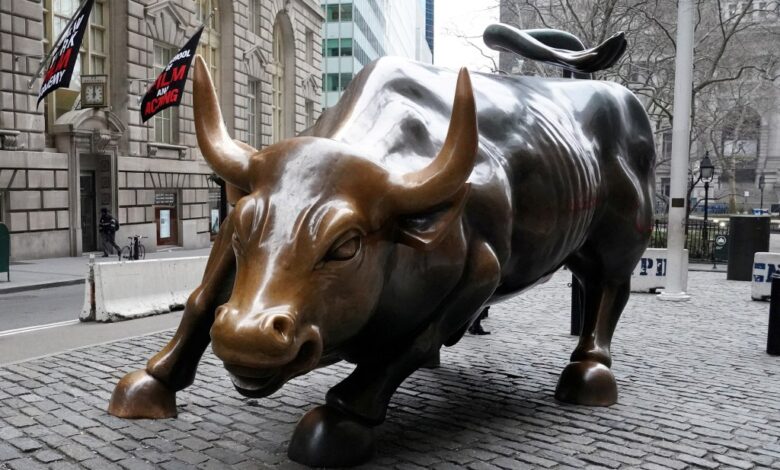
x,y
40,307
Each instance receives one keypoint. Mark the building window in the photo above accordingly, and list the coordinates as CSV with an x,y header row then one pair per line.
x,y
203,12
346,12
338,12
253,123
310,45
97,50
666,145
338,47
166,121
93,56
209,42
336,81
666,185
277,92
255,17
309,113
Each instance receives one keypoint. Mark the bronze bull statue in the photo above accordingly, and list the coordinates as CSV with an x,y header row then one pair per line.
x,y
379,234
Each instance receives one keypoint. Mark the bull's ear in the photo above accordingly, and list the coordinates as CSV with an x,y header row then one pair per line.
x,y
424,231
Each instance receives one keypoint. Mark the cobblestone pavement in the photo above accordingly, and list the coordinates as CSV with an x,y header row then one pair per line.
x,y
696,390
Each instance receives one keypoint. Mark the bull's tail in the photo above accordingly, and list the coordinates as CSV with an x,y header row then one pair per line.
x,y
557,48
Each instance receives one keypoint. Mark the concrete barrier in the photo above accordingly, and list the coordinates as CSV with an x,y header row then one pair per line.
x,y
764,265
124,290
650,273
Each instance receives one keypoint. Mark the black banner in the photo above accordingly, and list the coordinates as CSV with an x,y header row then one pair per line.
x,y
168,89
66,52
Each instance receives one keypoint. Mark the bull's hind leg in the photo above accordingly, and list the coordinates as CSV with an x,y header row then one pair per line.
x,y
588,380
340,433
151,393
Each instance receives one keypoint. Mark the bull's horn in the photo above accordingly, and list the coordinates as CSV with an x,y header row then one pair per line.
x,y
226,158
447,173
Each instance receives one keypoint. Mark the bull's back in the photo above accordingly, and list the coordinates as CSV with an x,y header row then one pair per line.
x,y
551,154
579,150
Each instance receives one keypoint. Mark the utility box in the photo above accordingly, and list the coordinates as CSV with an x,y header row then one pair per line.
x,y
748,235
5,252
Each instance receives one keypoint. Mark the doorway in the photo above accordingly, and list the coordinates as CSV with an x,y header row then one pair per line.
x,y
166,218
88,211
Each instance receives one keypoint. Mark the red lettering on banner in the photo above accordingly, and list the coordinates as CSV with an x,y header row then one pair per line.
x,y
169,98
178,73
61,64
162,81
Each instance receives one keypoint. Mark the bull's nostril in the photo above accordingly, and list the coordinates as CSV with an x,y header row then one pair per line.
x,y
283,325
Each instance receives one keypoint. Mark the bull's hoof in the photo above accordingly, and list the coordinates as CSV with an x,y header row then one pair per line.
x,y
587,383
326,437
139,395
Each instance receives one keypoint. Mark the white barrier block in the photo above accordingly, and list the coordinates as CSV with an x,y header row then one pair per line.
x,y
764,265
650,273
132,289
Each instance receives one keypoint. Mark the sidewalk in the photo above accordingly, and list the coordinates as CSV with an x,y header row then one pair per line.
x,y
56,272
697,390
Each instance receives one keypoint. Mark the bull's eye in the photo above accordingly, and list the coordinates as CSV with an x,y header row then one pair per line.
x,y
344,250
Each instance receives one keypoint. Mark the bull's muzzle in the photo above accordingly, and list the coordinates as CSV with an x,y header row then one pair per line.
x,y
263,350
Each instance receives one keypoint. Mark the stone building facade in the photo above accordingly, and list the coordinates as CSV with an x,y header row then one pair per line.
x,y
61,163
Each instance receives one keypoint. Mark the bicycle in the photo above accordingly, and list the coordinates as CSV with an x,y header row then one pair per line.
x,y
135,250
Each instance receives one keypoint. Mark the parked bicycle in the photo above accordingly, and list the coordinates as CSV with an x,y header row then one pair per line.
x,y
135,250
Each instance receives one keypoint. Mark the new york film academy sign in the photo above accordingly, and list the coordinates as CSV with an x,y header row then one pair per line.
x,y
168,89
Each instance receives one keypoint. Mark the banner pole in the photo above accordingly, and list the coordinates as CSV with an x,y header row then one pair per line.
x,y
55,45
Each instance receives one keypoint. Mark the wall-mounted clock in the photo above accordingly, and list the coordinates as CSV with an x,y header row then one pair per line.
x,y
94,91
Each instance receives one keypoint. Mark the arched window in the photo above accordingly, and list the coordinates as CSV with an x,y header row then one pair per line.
x,y
277,102
93,57
283,80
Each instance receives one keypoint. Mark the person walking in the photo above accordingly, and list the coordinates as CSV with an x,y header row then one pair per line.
x,y
108,227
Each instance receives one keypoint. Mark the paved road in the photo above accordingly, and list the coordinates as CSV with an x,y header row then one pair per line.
x,y
40,307
696,391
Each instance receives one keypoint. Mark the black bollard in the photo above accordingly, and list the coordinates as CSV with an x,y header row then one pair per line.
x,y
773,338
577,304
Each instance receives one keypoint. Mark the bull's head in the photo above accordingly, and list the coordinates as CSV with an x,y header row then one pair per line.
x,y
312,232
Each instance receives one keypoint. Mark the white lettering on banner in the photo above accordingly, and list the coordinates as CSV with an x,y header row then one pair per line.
x,y
53,81
181,55
162,91
69,37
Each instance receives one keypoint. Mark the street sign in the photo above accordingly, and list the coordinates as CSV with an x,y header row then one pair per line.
x,y
721,251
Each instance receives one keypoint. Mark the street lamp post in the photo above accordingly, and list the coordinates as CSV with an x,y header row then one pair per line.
x,y
706,173
761,187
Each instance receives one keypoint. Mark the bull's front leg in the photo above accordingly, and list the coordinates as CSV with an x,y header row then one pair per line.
x,y
340,433
151,393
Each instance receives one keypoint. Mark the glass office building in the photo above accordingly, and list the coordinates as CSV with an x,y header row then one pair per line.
x,y
357,32
353,36
429,24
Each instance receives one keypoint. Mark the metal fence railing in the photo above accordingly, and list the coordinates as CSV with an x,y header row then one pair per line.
x,y
698,243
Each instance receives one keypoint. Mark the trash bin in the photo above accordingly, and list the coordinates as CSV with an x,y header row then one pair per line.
x,y
748,235
5,251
